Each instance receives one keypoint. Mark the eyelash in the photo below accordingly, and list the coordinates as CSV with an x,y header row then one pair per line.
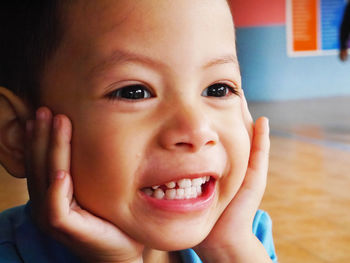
x,y
227,89
133,92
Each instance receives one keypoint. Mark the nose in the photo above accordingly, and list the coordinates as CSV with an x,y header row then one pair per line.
x,y
187,129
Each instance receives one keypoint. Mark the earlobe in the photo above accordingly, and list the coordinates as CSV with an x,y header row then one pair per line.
x,y
14,113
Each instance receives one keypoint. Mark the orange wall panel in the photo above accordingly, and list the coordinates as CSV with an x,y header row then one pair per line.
x,y
304,22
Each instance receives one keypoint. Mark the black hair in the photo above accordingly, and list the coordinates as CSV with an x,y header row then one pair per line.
x,y
30,32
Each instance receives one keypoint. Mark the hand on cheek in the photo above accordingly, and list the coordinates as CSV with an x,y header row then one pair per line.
x,y
51,192
232,238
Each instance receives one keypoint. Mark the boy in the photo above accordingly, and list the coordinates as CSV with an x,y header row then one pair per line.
x,y
144,144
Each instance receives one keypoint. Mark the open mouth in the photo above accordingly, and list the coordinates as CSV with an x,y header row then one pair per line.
x,y
180,190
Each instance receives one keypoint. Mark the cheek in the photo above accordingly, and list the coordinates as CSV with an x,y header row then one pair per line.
x,y
104,164
237,145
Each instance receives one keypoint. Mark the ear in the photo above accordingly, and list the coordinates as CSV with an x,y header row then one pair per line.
x,y
13,114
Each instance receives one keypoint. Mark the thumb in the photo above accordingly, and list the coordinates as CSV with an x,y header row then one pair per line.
x,y
253,187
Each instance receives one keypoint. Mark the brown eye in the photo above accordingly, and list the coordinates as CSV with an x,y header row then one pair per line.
x,y
133,92
218,90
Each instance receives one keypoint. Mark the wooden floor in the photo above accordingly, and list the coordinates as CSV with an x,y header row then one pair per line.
x,y
308,192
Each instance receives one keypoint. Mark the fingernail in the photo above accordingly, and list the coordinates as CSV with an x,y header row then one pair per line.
x,y
60,174
41,114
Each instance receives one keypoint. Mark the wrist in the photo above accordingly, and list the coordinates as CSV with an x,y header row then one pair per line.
x,y
248,249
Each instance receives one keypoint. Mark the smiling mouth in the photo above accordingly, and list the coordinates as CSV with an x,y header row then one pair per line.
x,y
180,190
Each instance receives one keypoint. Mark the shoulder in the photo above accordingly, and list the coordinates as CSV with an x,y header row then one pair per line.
x,y
262,228
9,219
22,241
262,222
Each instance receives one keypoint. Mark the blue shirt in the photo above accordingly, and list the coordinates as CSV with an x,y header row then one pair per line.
x,y
22,241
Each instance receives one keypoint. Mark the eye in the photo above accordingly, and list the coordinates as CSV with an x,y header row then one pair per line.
x,y
132,92
219,90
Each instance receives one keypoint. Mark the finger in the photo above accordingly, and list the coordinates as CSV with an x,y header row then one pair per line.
x,y
69,223
260,149
39,131
60,193
58,200
65,217
60,144
251,192
247,117
63,221
28,145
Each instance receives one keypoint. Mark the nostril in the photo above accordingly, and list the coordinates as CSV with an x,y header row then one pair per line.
x,y
190,145
181,144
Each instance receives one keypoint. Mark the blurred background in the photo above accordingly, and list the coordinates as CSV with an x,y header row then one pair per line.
x,y
288,52
291,71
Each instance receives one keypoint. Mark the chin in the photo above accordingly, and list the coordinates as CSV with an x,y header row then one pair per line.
x,y
176,234
175,240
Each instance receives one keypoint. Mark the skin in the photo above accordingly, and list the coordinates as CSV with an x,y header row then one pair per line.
x,y
343,54
138,137
90,155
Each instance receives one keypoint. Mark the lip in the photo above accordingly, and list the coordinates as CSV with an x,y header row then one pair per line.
x,y
187,205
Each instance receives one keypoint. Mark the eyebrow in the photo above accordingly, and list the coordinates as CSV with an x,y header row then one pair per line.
x,y
119,57
225,59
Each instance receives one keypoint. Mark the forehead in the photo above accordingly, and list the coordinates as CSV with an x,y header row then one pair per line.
x,y
106,14
150,27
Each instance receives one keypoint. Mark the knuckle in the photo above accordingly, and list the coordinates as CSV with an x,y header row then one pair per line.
x,y
56,140
259,149
55,222
263,148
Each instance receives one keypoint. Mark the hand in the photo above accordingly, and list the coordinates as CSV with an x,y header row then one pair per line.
x,y
343,54
232,239
54,207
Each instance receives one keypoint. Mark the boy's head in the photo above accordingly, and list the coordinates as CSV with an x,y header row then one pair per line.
x,y
153,91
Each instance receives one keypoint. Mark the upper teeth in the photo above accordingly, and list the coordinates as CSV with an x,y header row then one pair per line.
x,y
187,188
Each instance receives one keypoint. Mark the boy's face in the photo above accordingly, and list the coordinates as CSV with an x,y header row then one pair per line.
x,y
173,121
